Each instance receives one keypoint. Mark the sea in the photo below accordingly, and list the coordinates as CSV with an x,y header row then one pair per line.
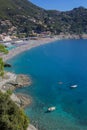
x,y
54,68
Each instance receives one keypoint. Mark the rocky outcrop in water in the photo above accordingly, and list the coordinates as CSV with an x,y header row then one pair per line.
x,y
23,80
19,81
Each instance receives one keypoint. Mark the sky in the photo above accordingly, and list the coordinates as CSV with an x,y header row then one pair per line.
x,y
61,5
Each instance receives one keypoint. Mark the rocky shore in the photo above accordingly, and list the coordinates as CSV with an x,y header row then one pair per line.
x,y
21,100
11,82
23,80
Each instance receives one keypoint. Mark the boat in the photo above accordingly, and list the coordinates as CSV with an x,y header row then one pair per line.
x,y
73,86
50,109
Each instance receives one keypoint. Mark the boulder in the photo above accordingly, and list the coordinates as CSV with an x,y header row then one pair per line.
x,y
7,65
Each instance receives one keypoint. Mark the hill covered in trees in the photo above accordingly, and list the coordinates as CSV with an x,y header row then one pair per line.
x,y
21,16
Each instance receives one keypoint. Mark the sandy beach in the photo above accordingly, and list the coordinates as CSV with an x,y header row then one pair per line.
x,y
27,46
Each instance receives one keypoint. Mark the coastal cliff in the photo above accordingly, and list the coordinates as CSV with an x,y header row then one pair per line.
x,y
12,81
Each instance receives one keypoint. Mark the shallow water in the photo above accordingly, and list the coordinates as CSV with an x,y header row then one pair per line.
x,y
11,47
54,68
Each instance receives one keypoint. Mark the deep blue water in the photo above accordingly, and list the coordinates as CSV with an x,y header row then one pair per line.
x,y
62,61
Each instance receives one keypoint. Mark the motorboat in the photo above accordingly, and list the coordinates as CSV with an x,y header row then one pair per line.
x,y
73,86
50,109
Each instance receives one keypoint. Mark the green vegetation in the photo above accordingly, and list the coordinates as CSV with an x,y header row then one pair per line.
x,y
9,92
1,67
3,49
21,14
25,17
11,116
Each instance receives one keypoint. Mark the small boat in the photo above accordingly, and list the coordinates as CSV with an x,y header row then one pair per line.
x,y
73,86
51,109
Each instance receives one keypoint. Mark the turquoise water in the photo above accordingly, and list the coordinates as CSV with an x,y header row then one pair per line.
x,y
62,61
11,47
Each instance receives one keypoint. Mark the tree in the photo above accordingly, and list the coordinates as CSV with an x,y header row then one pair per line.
x,y
1,67
11,116
2,49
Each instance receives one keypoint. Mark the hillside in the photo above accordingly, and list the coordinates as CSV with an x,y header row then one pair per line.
x,y
74,21
23,17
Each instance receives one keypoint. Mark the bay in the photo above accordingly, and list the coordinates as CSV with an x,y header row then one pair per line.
x,y
55,67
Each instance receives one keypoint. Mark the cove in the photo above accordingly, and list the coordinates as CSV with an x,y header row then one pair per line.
x,y
62,61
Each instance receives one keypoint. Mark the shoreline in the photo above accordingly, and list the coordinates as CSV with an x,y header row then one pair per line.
x,y
27,46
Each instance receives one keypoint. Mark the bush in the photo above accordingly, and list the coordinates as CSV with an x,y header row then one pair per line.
x,y
3,49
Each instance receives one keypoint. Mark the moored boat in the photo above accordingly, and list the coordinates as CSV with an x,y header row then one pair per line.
x,y
51,109
73,86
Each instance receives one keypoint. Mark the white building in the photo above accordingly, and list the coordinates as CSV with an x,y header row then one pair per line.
x,y
6,38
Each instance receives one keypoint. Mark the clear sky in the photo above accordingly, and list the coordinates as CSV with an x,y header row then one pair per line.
x,y
62,5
